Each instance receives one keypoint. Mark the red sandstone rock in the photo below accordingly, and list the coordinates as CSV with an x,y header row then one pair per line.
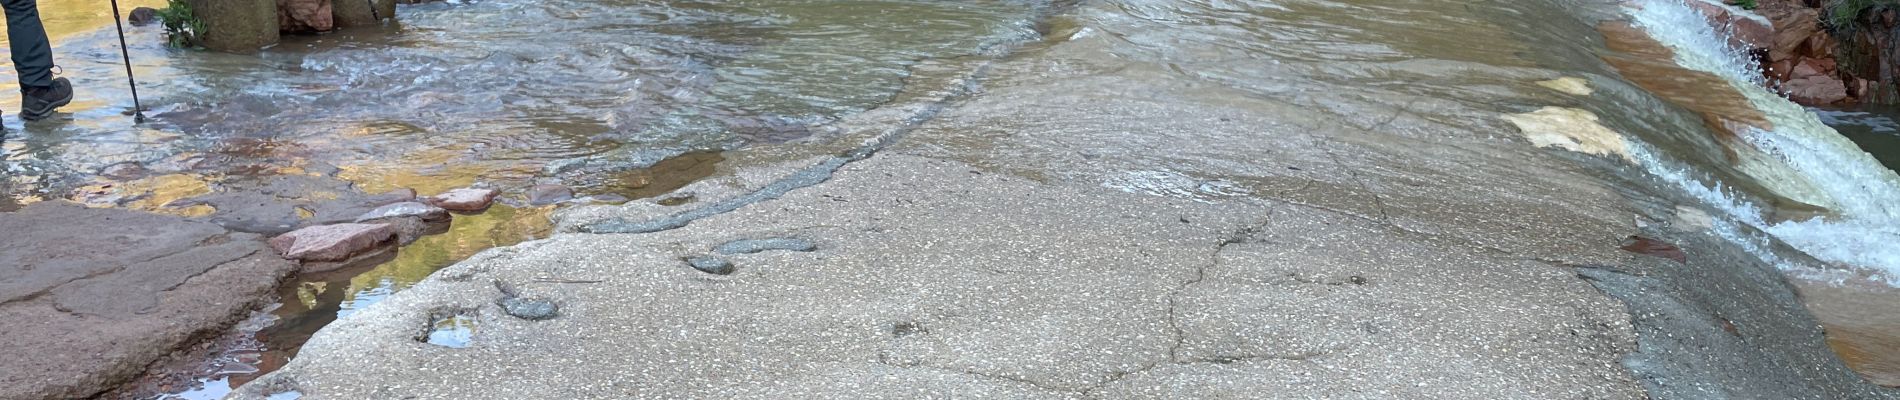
x,y
1815,90
464,199
1745,28
332,242
305,16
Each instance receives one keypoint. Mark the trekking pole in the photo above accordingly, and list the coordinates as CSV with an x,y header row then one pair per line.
x,y
138,111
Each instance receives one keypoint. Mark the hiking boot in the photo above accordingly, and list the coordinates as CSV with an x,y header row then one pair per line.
x,y
39,102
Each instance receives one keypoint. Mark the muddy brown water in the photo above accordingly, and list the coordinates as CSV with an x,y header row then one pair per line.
x,y
637,98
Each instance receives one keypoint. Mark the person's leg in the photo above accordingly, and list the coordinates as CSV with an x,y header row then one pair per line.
x,y
40,92
32,54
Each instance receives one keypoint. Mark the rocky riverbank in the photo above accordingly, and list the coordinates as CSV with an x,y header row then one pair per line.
x,y
1140,208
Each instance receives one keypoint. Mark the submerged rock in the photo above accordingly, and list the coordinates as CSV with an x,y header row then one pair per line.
x,y
749,246
541,195
466,199
711,265
332,242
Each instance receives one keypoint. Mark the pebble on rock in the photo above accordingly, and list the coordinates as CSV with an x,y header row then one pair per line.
x,y
749,246
530,308
464,199
711,265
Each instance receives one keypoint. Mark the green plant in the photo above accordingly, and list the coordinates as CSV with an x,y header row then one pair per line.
x,y
182,26
1841,14
1745,4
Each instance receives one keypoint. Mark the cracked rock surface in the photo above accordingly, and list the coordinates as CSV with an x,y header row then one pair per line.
x,y
79,320
1123,212
1003,293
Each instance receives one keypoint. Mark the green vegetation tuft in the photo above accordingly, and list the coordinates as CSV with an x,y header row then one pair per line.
x,y
1841,14
1745,4
182,26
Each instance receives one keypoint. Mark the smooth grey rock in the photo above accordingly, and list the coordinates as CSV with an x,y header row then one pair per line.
x,y
407,209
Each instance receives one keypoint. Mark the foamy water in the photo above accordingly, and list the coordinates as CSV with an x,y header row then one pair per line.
x,y
1863,228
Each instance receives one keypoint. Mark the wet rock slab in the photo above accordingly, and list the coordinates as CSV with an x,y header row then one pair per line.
x,y
92,296
332,242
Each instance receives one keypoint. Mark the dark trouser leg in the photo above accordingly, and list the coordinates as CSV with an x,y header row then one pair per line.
x,y
32,54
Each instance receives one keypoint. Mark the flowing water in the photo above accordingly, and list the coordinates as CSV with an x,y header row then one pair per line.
x,y
637,98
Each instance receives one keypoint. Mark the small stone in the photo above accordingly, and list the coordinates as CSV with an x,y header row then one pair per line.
x,y
407,209
541,195
711,265
464,199
331,242
530,308
142,16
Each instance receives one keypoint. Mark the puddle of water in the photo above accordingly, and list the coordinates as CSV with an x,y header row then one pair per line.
x,y
453,331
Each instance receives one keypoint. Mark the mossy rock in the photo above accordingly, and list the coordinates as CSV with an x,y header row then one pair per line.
x,y
237,25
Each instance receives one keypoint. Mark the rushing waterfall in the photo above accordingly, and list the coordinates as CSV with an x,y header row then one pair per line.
x,y
1863,196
